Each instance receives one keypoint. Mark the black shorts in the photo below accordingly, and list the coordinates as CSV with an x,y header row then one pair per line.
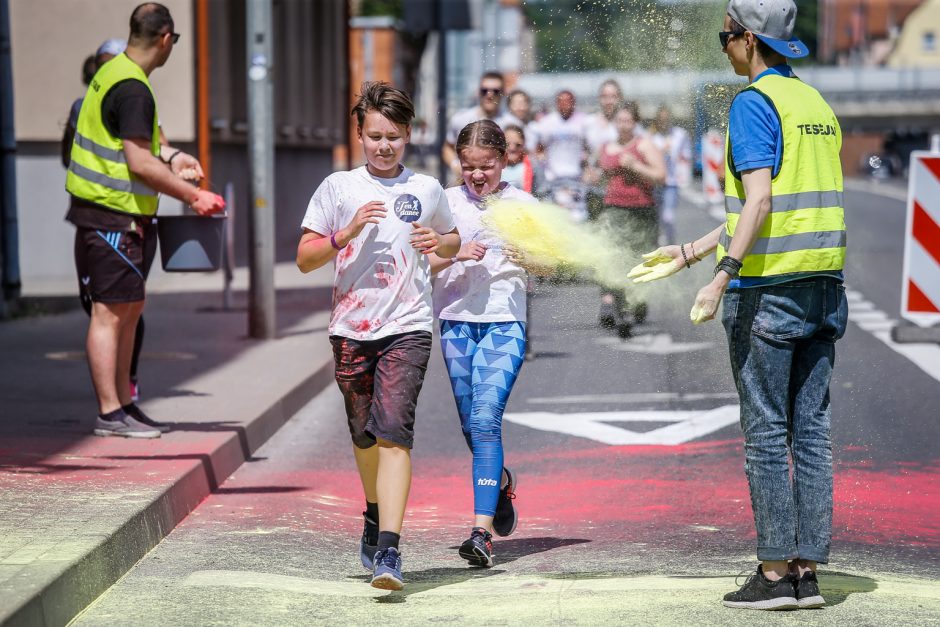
x,y
380,381
112,266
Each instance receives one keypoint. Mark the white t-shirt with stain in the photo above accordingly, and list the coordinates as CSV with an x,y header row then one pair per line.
x,y
382,286
489,290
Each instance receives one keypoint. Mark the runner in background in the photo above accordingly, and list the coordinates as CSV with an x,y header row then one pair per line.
x,y
674,143
601,130
562,147
479,296
632,166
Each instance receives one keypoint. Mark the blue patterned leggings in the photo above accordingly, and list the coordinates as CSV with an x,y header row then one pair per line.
x,y
483,360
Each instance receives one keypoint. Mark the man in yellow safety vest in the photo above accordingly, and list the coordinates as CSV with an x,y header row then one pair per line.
x,y
116,170
781,252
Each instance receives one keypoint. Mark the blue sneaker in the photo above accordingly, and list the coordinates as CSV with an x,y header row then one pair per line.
x,y
387,572
504,522
369,543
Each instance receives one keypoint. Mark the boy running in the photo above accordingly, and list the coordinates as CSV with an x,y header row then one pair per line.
x,y
379,223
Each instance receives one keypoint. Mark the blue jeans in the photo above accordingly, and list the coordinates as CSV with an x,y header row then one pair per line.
x,y
782,344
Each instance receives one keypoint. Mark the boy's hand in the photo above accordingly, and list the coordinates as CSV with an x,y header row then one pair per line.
x,y
424,239
369,213
471,251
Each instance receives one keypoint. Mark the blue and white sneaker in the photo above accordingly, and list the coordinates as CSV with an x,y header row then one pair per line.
x,y
504,522
387,572
369,543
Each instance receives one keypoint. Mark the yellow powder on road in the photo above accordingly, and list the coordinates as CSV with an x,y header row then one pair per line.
x,y
547,235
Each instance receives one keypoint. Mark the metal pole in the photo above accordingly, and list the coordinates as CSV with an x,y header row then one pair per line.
x,y
228,247
9,232
261,321
445,173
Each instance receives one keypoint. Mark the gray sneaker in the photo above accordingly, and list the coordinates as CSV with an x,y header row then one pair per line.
x,y
127,427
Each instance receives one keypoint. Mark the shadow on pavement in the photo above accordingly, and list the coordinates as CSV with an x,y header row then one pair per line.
x,y
506,551
837,587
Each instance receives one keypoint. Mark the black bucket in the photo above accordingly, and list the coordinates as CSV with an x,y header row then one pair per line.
x,y
191,243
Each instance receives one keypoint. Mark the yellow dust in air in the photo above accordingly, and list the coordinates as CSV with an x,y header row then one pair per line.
x,y
547,235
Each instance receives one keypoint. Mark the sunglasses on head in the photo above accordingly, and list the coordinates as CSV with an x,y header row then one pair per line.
x,y
725,36
490,91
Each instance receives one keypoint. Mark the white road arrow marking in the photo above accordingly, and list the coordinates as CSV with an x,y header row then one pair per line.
x,y
686,425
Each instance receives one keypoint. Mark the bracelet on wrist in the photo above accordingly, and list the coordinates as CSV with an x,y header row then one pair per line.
x,y
730,265
169,161
692,247
684,258
333,242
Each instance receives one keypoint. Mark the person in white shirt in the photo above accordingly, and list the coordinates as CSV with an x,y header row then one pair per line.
x,y
379,223
561,140
674,143
491,90
480,298
601,130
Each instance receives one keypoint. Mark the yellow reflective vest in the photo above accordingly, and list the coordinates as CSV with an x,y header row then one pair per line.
x,y
98,171
805,229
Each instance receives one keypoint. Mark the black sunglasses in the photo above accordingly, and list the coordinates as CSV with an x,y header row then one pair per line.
x,y
487,91
725,36
174,36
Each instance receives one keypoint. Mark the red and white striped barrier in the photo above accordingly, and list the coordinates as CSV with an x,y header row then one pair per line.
x,y
920,294
713,166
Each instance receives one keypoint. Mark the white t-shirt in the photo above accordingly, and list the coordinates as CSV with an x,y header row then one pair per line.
x,y
466,116
565,144
600,131
382,285
677,149
489,290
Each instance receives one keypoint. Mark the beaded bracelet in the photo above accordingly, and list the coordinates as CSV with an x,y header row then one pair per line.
x,y
684,258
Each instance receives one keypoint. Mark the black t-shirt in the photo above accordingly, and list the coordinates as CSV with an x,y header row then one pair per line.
x,y
128,112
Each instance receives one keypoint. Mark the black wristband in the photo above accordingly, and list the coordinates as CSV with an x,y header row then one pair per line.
x,y
730,265
173,156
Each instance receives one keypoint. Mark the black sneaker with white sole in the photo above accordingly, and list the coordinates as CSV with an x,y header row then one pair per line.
x,y
807,592
760,593
504,522
478,548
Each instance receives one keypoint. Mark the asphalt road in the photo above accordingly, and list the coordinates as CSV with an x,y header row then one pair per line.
x,y
632,498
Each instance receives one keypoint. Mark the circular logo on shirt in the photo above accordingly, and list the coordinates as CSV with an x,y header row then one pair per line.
x,y
407,208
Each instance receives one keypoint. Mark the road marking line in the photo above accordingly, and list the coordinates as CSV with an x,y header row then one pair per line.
x,y
686,425
879,324
638,397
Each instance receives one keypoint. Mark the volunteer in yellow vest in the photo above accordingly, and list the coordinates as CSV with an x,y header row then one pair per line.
x,y
117,168
781,253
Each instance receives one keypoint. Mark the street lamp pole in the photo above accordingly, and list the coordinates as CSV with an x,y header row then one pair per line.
x,y
261,295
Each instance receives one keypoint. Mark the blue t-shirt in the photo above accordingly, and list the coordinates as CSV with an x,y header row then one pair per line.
x,y
757,142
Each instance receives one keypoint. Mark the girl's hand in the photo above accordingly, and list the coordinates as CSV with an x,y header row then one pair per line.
x,y
627,160
424,239
513,255
369,213
471,251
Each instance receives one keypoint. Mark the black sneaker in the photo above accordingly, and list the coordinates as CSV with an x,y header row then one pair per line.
x,y
807,592
135,411
478,548
504,522
369,542
759,593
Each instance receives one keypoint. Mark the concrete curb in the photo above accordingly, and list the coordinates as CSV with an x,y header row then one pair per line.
x,y
71,585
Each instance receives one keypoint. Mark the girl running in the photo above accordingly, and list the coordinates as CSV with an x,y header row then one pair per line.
x,y
480,298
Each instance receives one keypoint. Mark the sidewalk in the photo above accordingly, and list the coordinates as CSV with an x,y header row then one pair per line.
x,y
77,511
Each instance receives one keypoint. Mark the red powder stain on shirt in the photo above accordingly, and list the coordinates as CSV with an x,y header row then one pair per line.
x,y
346,302
404,260
346,253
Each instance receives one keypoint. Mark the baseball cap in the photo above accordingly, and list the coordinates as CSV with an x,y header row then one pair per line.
x,y
111,46
772,22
